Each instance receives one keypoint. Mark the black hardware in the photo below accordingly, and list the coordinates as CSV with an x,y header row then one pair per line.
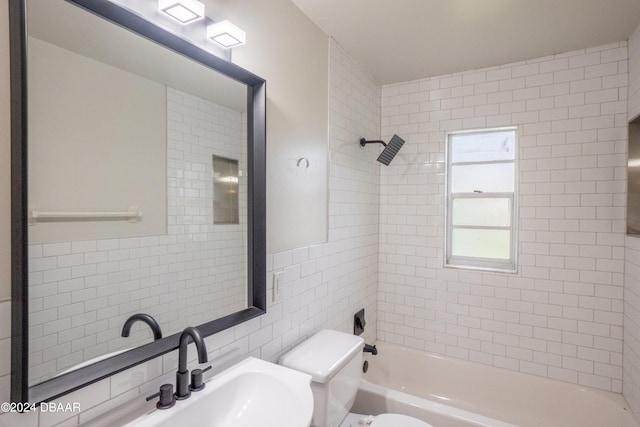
x,y
364,142
182,375
196,379
182,385
368,348
146,318
365,366
166,400
358,322
390,150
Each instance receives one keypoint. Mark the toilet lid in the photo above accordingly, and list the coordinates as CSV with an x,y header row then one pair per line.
x,y
397,420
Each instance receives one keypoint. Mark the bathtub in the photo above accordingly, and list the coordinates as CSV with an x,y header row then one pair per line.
x,y
447,392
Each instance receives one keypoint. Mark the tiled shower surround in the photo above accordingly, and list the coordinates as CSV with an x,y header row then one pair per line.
x,y
82,292
561,315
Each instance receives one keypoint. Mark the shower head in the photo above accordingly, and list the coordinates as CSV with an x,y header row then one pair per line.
x,y
390,149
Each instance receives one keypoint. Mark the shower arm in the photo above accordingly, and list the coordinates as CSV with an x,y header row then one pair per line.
x,y
364,142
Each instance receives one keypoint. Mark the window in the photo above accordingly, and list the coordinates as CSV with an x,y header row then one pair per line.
x,y
481,196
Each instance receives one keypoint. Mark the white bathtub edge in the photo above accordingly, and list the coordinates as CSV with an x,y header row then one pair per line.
x,y
370,396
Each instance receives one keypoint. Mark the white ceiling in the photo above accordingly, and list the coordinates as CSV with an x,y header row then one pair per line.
x,y
400,40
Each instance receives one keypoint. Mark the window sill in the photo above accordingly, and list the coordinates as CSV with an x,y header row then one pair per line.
x,y
512,270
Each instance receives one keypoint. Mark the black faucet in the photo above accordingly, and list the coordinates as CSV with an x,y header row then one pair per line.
x,y
155,327
368,348
182,375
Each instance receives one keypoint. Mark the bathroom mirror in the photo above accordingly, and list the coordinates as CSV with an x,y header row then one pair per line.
x,y
118,126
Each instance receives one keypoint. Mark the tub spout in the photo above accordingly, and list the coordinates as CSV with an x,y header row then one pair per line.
x,y
368,348
142,317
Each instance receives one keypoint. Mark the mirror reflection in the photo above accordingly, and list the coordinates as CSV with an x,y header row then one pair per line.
x,y
122,191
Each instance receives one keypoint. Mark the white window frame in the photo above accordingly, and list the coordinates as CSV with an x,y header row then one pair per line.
x,y
487,264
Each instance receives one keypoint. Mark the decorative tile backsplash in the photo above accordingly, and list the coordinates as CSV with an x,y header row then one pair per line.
x,y
560,316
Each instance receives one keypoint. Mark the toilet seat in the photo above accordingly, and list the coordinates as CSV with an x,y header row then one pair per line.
x,y
382,420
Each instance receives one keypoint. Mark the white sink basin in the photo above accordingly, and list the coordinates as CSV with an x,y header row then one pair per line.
x,y
252,393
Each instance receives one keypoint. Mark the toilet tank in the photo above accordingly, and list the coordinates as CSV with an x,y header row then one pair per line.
x,y
334,361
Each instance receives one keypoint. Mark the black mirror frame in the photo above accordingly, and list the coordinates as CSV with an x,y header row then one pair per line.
x,y
256,140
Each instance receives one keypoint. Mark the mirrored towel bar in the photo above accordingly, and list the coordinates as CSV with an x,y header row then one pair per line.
x,y
132,214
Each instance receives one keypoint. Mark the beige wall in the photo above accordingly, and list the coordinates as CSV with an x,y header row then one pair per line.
x,y
291,53
96,157
5,169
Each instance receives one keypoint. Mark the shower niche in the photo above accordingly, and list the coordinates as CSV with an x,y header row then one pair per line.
x,y
226,175
633,179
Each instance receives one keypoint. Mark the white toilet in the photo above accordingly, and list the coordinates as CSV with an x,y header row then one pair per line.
x,y
334,361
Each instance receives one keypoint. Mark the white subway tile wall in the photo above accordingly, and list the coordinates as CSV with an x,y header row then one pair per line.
x,y
561,315
198,129
631,362
325,284
82,292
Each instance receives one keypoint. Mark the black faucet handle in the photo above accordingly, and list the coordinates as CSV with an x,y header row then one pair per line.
x,y
197,382
166,400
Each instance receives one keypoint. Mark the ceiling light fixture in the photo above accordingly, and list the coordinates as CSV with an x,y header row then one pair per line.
x,y
183,11
226,34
